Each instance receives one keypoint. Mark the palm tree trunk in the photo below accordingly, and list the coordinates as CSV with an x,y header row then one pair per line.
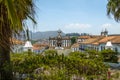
x,y
5,35
5,66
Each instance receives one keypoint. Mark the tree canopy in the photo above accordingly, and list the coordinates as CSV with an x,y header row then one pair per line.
x,y
13,14
113,8
59,67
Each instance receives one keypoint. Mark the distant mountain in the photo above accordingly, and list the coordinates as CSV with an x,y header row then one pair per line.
x,y
44,35
37,35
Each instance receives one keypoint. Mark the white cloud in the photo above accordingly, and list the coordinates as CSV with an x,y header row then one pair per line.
x,y
107,25
77,26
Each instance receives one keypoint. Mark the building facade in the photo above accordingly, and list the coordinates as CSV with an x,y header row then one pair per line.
x,y
101,43
75,47
59,41
17,45
82,38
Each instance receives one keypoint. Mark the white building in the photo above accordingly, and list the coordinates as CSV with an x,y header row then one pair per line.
x,y
17,46
40,47
75,47
102,43
28,46
82,38
60,42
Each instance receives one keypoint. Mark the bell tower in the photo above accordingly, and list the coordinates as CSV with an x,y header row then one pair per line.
x,y
104,33
59,39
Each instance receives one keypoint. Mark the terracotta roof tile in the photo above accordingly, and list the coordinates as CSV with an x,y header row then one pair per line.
x,y
105,39
83,37
75,45
37,48
92,40
40,44
16,41
116,39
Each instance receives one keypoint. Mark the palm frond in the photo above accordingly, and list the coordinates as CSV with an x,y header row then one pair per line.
x,y
113,8
12,16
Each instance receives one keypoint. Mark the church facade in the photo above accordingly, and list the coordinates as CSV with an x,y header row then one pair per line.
x,y
59,41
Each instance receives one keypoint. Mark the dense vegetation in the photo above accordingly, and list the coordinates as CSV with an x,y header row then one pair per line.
x,y
72,34
73,40
51,66
109,56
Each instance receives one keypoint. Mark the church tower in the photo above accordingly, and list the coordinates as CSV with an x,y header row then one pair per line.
x,y
59,39
104,33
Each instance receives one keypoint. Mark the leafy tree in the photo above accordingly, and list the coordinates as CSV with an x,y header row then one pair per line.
x,y
78,55
58,67
52,53
73,40
113,7
81,63
109,55
93,54
12,18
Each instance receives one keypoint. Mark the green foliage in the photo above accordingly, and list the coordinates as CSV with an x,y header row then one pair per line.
x,y
113,9
109,55
93,54
91,65
52,53
73,40
13,14
57,67
78,55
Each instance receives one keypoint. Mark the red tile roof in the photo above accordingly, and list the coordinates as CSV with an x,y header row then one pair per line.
x,y
92,40
116,39
105,39
102,39
75,45
16,41
38,46
83,37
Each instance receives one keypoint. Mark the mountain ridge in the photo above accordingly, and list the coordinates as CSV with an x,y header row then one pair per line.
x,y
44,35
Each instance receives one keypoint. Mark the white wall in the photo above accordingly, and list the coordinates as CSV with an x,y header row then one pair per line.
x,y
101,45
114,46
17,48
75,49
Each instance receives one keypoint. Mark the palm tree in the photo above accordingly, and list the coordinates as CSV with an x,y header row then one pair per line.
x,y
12,16
113,8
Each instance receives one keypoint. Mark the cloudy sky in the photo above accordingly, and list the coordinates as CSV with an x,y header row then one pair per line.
x,y
80,16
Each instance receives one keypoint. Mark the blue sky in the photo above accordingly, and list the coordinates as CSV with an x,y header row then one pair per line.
x,y
80,16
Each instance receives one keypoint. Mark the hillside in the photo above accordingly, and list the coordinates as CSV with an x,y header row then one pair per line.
x,y
45,35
